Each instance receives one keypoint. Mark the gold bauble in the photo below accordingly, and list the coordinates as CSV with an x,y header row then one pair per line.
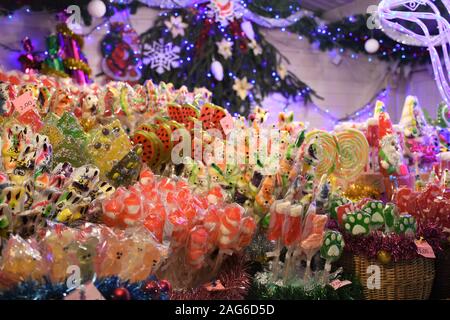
x,y
384,257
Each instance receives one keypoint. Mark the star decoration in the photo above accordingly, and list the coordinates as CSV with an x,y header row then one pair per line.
x,y
224,48
242,87
282,71
176,26
257,50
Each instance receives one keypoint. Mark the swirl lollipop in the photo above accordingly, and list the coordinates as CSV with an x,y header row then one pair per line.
x,y
328,153
353,154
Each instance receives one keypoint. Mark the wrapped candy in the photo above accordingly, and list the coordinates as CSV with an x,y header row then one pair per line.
x,y
7,94
390,154
357,222
375,210
197,247
22,261
406,224
332,248
107,144
312,237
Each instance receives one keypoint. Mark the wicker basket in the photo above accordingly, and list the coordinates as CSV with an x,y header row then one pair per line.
x,y
441,287
404,280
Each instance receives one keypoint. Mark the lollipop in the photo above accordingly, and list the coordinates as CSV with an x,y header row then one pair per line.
x,y
328,153
332,248
353,154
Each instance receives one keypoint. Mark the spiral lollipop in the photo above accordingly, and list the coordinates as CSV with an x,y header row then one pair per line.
x,y
328,152
353,154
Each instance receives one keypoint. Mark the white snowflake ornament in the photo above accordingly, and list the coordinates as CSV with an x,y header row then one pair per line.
x,y
161,56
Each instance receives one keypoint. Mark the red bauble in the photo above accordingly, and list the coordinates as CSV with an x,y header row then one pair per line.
x,y
151,287
165,286
121,294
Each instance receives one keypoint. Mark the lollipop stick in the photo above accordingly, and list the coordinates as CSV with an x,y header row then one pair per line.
x,y
287,264
307,274
326,271
276,261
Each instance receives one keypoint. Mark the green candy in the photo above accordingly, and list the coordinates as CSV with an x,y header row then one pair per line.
x,y
406,224
334,204
70,126
390,215
333,246
5,216
357,223
375,210
265,221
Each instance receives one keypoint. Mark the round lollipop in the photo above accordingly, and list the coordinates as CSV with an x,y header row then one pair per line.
x,y
328,153
353,154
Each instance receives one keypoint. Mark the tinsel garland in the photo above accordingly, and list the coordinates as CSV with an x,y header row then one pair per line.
x,y
233,276
65,31
73,64
399,246
45,69
353,291
32,290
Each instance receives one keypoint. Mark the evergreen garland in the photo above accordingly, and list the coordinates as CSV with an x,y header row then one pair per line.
x,y
272,291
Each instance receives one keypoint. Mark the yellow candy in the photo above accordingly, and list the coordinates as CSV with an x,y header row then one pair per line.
x,y
107,145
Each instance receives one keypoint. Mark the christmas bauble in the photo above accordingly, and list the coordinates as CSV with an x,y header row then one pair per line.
x,y
384,257
247,27
151,287
121,294
217,70
165,286
372,45
96,8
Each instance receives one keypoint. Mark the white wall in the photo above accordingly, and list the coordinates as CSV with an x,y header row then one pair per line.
x,y
345,87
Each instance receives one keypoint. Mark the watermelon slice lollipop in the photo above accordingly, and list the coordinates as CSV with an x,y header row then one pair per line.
x,y
188,110
206,114
151,146
174,112
219,114
163,132
211,115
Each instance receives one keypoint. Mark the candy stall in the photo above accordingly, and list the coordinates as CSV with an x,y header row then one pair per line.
x,y
161,166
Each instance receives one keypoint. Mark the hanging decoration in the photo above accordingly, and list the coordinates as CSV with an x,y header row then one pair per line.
x,y
223,11
120,47
30,60
74,60
161,56
217,70
53,64
96,8
392,21
372,45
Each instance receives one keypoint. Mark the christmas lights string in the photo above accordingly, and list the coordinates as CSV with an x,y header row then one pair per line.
x,y
364,112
